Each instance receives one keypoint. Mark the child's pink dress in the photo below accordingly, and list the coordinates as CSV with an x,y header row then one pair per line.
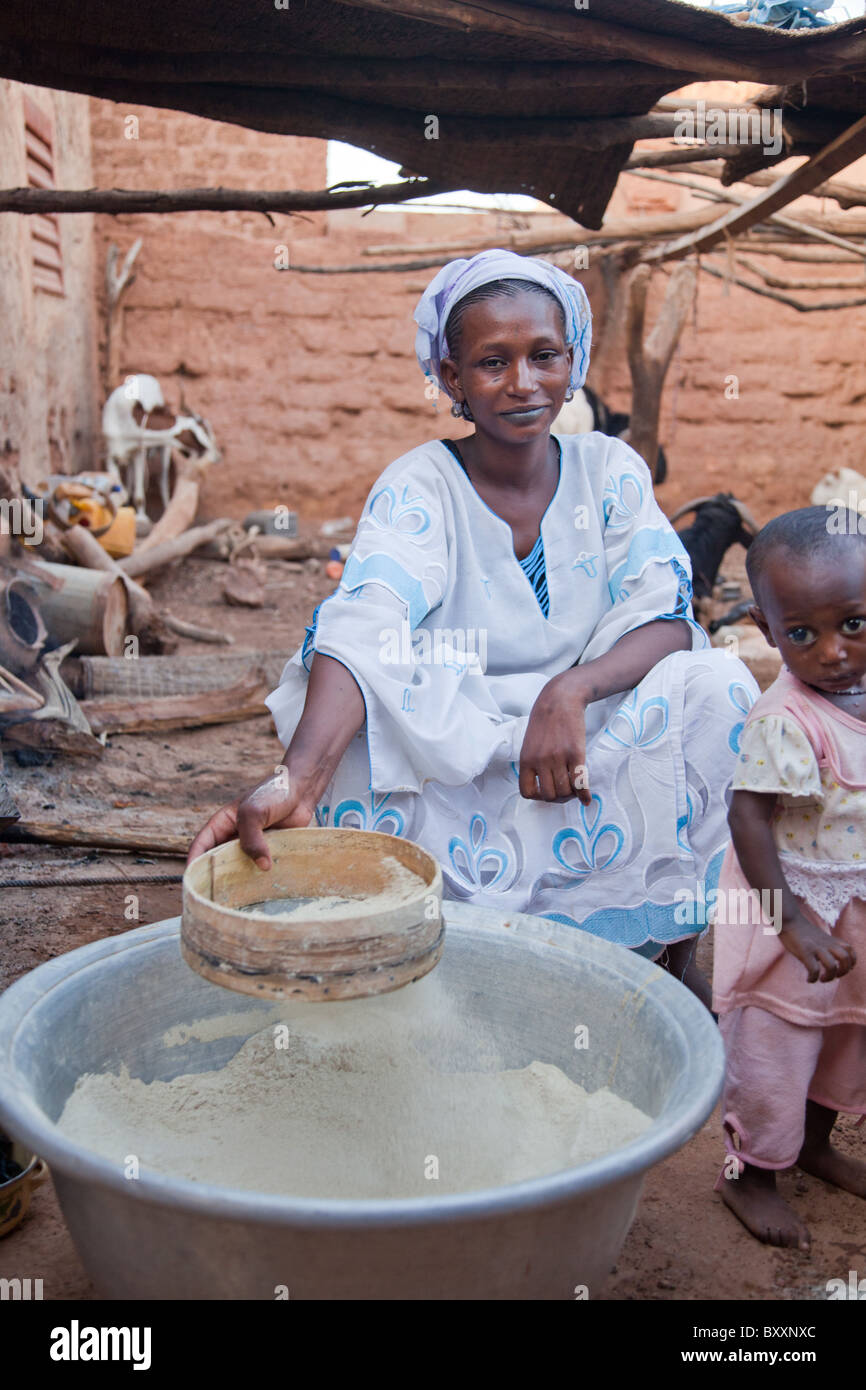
x,y
788,1040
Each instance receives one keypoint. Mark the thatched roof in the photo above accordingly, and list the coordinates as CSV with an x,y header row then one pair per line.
x,y
530,97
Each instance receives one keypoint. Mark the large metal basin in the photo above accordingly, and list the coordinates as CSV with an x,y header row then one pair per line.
x,y
532,981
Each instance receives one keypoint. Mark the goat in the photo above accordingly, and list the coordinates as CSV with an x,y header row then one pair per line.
x,y
587,412
832,489
135,419
719,523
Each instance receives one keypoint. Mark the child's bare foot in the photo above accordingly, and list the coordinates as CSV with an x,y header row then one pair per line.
x,y
819,1158
753,1198
832,1166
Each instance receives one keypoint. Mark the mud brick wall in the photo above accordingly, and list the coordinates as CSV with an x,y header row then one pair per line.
x,y
48,388
311,383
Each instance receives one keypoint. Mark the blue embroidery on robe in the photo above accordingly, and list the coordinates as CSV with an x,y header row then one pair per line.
x,y
385,570
742,701
623,499
310,636
353,815
389,514
639,728
476,864
645,922
598,847
652,543
683,823
588,563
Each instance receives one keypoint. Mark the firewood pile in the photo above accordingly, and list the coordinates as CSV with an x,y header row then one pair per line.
x,y
86,651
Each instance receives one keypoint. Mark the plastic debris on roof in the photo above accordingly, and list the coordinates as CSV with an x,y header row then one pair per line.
x,y
782,14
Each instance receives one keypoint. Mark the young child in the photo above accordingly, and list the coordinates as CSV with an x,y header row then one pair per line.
x,y
790,978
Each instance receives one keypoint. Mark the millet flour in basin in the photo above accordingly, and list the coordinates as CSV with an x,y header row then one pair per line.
x,y
362,1099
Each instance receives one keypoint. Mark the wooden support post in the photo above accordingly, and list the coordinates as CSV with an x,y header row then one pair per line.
x,y
649,359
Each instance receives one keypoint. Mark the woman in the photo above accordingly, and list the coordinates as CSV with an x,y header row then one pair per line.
x,y
509,672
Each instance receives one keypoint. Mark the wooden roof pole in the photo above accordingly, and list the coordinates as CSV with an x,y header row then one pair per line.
x,y
842,151
580,32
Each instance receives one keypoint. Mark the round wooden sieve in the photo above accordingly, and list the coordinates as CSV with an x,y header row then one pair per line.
x,y
369,947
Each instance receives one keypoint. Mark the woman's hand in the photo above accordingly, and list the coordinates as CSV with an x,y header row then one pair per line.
x,y
333,713
824,957
286,801
553,756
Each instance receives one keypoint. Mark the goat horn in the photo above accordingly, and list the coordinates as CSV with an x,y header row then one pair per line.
x,y
745,515
690,507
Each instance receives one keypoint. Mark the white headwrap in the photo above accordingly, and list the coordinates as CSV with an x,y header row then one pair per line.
x,y
459,278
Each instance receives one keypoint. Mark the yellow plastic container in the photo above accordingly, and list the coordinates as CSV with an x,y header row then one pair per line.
x,y
119,539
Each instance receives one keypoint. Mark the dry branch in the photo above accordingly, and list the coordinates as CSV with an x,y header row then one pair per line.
x,y
775,294
127,200
847,195
144,561
117,282
690,154
649,358
781,282
197,633
837,155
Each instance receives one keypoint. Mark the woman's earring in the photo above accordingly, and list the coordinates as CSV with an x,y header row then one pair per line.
x,y
569,395
456,409
466,412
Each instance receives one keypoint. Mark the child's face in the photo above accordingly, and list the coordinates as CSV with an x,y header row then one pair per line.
x,y
814,611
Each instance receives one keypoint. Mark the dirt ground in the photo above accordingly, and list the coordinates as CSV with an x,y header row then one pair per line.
x,y
683,1245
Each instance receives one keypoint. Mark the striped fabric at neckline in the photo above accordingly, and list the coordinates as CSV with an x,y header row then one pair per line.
x,y
534,568
533,564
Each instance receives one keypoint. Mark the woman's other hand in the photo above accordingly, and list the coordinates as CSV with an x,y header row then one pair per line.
x,y
553,756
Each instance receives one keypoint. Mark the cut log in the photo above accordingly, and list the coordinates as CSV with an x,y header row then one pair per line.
x,y
8,810
59,723
22,629
144,620
154,677
90,608
154,831
142,561
244,700
53,735
287,548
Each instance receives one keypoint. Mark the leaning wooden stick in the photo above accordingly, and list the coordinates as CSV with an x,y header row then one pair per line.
x,y
143,561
